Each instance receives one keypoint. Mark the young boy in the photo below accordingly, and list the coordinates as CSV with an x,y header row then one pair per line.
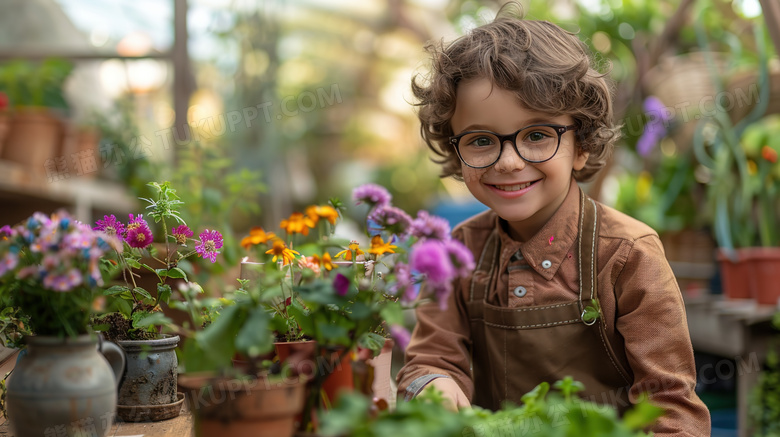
x,y
564,286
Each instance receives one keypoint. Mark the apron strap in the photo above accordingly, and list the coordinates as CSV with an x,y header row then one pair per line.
x,y
587,247
483,276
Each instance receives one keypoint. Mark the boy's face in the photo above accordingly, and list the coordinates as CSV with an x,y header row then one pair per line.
x,y
524,194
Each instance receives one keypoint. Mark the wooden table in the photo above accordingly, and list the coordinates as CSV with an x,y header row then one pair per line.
x,y
739,330
177,427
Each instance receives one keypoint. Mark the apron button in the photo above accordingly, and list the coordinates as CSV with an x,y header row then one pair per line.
x,y
546,264
520,291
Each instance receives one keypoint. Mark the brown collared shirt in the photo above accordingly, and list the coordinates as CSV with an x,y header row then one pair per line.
x,y
638,293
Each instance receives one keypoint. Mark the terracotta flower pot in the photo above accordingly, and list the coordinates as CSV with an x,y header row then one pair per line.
x,y
736,275
765,266
34,140
261,407
5,124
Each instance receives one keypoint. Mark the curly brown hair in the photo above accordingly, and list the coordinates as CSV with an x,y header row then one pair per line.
x,y
546,67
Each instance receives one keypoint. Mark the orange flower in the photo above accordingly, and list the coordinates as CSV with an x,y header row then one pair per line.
x,y
769,154
326,262
378,246
347,253
297,224
280,250
256,236
327,212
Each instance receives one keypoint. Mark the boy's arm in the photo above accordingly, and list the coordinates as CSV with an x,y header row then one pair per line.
x,y
439,348
651,318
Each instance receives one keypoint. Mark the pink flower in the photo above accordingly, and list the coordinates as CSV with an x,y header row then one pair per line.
x,y
181,233
401,336
137,233
341,284
8,263
210,242
64,282
110,225
372,194
430,258
430,226
461,257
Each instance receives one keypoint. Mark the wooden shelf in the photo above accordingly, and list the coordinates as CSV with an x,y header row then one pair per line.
x,y
23,192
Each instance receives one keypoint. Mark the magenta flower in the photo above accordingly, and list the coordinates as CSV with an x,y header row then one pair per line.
x,y
209,245
372,194
430,226
341,284
181,233
110,225
404,283
401,336
6,231
430,258
137,232
390,218
460,256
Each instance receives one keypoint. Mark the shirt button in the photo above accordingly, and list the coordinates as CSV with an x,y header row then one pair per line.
x,y
520,291
546,264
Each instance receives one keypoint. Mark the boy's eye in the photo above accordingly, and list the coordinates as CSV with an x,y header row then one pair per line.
x,y
481,142
536,136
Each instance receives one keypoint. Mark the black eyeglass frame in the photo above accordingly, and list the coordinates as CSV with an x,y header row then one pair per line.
x,y
559,128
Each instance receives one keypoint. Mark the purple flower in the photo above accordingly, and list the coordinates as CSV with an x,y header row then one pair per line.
x,y
430,258
655,128
401,336
65,282
209,245
390,218
341,284
110,225
181,233
137,233
374,195
461,257
430,226
404,283
6,231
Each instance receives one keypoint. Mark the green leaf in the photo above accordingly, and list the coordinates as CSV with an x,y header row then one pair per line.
x,y
254,338
146,320
133,263
164,293
219,337
124,307
177,273
392,313
163,273
641,415
142,292
372,341
114,290
304,321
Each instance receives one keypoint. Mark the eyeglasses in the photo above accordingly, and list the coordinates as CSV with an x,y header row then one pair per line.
x,y
536,143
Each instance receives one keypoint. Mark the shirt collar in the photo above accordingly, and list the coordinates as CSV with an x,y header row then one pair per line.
x,y
562,227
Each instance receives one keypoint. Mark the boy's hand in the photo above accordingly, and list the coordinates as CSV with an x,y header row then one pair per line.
x,y
455,397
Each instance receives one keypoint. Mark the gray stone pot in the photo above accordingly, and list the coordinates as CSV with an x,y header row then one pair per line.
x,y
64,386
148,390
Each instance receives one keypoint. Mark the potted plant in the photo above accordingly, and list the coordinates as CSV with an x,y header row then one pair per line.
x,y
36,127
360,303
744,179
50,285
543,413
5,119
134,314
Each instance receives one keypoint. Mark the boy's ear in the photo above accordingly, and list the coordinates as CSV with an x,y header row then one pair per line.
x,y
580,159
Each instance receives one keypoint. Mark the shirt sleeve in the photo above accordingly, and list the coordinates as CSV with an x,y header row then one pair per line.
x,y
440,347
652,320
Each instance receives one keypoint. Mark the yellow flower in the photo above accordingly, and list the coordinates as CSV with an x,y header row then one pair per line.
x,y
279,249
297,223
378,246
347,253
327,212
326,262
256,236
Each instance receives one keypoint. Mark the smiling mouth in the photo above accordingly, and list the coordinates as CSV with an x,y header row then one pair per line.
x,y
516,187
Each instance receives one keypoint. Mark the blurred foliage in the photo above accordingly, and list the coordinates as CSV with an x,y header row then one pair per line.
x,y
35,84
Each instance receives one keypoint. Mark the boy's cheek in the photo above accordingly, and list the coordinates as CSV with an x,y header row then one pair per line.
x,y
469,175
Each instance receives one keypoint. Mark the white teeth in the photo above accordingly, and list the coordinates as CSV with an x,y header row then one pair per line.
x,y
512,187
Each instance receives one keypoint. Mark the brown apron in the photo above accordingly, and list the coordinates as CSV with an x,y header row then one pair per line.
x,y
515,349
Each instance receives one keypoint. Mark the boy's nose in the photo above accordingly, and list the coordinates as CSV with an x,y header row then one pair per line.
x,y
509,159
